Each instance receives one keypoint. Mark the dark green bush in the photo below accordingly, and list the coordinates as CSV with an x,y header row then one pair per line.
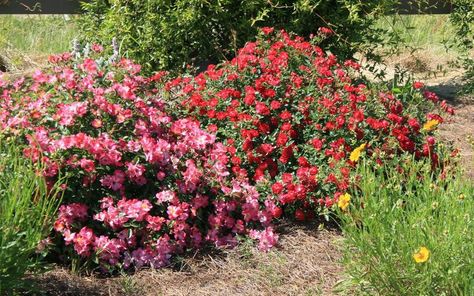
x,y
164,34
462,18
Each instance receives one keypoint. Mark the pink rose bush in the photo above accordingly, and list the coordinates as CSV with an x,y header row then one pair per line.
x,y
142,185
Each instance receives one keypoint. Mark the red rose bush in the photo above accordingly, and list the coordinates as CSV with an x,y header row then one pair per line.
x,y
291,116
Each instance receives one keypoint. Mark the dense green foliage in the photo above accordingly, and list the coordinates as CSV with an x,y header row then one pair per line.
x,y
394,215
170,34
27,207
462,18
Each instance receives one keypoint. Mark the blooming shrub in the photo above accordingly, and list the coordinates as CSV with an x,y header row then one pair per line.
x,y
142,185
280,128
296,120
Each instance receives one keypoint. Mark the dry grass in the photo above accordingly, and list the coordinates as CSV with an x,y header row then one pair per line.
x,y
307,262
16,63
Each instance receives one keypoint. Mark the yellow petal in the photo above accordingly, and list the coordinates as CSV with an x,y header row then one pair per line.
x,y
355,154
430,125
344,201
422,255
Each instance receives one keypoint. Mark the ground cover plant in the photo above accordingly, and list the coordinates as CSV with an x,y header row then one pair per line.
x,y
307,260
409,233
296,119
27,210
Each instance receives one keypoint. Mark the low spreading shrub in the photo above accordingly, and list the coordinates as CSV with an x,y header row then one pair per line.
x,y
27,212
296,120
142,185
409,233
172,34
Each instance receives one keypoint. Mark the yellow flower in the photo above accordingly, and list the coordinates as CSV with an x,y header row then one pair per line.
x,y
430,125
355,154
344,201
422,255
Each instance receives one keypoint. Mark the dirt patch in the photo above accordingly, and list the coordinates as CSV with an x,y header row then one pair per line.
x,y
15,64
426,65
307,262
423,63
458,130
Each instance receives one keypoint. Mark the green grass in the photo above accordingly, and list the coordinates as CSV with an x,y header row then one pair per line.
x,y
27,208
392,216
419,31
34,37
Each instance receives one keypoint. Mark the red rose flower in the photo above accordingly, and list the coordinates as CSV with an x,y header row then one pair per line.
x,y
267,30
275,105
277,188
262,108
418,84
317,144
303,162
299,215
276,212
265,149
286,154
281,139
285,115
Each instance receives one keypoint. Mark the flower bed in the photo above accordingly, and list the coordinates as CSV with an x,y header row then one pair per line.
x,y
279,129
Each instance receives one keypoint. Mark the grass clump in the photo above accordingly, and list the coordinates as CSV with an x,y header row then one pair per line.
x,y
27,207
407,233
26,41
418,31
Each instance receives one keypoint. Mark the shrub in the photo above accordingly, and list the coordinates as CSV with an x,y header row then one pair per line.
x,y
462,18
169,35
143,185
296,120
27,208
407,233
